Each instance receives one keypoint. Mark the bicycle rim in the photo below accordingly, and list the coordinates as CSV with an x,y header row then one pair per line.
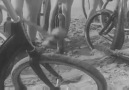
x,y
92,30
61,65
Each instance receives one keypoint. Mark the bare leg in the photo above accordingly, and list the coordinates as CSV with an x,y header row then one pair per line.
x,y
33,8
52,15
18,6
67,12
100,3
93,6
46,12
67,4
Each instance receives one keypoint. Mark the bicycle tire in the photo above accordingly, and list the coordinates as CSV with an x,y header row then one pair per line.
x,y
60,59
118,40
89,22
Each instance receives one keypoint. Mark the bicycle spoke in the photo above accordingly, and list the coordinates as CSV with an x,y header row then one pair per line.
x,y
107,38
111,36
52,71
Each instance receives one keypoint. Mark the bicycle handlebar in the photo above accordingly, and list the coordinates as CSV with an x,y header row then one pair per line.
x,y
11,10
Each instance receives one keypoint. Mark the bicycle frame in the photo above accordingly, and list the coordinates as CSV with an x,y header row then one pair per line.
x,y
112,18
16,43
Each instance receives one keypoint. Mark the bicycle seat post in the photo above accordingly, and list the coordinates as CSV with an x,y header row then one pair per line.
x,y
58,16
61,17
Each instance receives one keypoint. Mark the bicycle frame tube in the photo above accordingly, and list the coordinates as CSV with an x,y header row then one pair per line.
x,y
14,44
16,41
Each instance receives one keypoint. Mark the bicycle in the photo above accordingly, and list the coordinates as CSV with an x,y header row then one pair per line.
x,y
19,42
110,20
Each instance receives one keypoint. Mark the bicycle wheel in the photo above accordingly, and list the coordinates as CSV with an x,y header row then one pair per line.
x,y
100,32
118,40
71,72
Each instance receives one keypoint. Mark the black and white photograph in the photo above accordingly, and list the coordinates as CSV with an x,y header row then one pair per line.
x,y
64,44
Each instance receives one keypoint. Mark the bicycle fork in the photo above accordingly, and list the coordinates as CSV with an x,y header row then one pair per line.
x,y
34,63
